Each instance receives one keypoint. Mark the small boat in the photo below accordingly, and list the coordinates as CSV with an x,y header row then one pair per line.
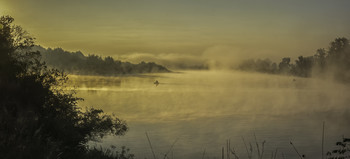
x,y
156,83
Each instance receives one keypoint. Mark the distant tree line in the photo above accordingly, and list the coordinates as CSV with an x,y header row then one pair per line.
x,y
334,60
38,119
78,63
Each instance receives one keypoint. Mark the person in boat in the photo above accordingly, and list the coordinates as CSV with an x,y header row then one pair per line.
x,y
156,83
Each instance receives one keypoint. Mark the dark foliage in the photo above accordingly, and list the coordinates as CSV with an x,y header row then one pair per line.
x,y
111,153
265,66
303,66
335,61
285,66
78,63
342,151
38,119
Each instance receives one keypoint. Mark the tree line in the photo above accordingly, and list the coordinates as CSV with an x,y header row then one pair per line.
x,y
335,61
38,117
78,63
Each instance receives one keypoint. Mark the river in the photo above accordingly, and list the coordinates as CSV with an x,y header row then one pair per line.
x,y
199,111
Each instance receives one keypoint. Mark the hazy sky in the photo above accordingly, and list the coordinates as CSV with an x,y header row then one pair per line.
x,y
113,27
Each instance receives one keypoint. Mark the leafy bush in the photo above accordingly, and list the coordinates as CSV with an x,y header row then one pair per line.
x,y
38,119
342,151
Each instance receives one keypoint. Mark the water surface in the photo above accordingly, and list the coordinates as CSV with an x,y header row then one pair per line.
x,y
201,110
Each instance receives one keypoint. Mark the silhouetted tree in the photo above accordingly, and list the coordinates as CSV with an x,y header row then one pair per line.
x,y
265,66
339,51
334,61
320,62
77,63
38,119
342,151
303,66
285,66
338,59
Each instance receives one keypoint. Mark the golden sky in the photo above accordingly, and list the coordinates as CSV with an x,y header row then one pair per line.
x,y
113,27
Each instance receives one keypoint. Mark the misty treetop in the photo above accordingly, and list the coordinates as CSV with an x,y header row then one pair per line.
x,y
335,61
78,63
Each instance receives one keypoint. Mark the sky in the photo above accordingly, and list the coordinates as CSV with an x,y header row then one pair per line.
x,y
226,28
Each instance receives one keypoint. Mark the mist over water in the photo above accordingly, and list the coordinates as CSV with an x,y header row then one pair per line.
x,y
213,58
202,109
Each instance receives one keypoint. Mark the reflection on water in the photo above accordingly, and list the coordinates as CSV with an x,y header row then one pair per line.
x,y
202,109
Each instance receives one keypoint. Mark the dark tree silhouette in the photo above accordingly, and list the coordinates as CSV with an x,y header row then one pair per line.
x,y
77,63
342,151
338,59
335,61
38,119
339,50
285,66
265,66
303,66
